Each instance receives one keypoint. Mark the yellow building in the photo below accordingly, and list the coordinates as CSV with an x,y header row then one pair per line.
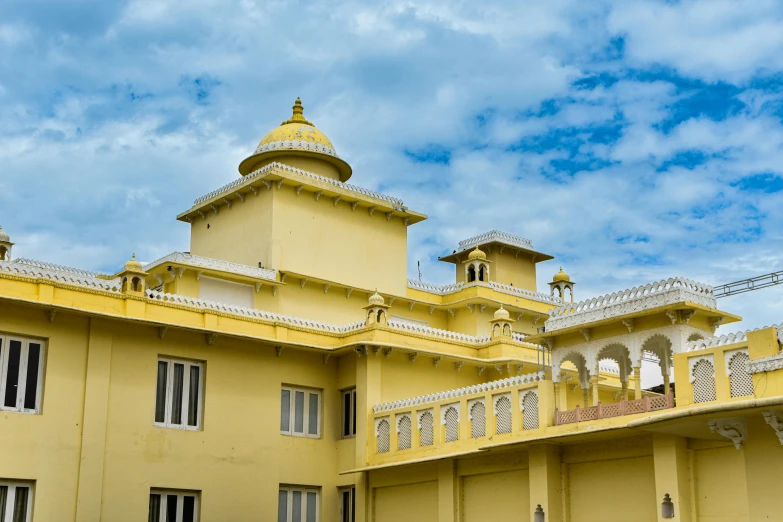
x,y
285,368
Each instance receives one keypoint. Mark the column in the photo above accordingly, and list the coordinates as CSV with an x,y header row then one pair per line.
x,y
594,386
672,476
637,385
544,481
586,397
624,390
448,496
557,396
368,393
96,404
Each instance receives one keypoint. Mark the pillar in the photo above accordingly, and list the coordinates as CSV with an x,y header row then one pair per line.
x,y
368,393
94,415
637,385
666,383
585,397
624,390
557,395
544,481
448,496
594,387
672,476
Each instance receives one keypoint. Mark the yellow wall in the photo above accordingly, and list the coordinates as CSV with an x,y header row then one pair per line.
x,y
496,496
721,493
410,502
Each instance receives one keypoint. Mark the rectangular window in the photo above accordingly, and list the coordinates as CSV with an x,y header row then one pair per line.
x,y
298,504
16,501
179,397
21,374
300,412
173,506
349,413
348,504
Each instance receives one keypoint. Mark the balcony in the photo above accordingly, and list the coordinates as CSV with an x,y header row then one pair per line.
x,y
617,409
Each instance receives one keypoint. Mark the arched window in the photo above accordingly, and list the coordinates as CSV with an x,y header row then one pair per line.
x,y
478,419
381,316
740,381
136,284
495,329
695,337
503,414
426,428
3,252
404,432
471,274
482,275
383,433
452,424
506,330
703,379
530,411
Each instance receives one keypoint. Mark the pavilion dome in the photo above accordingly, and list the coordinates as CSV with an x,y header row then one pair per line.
x,y
296,136
4,236
133,265
502,313
561,276
477,254
376,299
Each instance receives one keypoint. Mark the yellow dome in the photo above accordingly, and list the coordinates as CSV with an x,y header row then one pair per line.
x,y
299,137
133,265
561,276
376,299
502,313
477,254
4,237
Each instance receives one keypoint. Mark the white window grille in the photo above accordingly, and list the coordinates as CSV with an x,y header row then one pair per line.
x,y
16,501
503,422
740,381
426,428
478,418
703,380
529,405
300,412
349,413
451,420
21,374
298,504
404,431
383,435
348,504
179,399
173,506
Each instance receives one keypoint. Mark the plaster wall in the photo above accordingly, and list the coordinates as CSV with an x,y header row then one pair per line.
x,y
496,496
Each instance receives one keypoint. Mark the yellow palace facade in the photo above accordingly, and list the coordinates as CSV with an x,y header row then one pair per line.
x,y
285,368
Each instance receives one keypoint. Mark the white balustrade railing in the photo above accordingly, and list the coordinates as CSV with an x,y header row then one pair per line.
x,y
70,276
729,338
184,258
495,235
500,384
632,300
506,289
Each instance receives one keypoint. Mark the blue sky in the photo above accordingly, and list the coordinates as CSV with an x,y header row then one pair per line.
x,y
632,140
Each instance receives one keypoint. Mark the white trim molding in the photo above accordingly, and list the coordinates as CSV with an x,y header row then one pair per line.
x,y
729,355
693,361
422,413
523,394
496,398
496,236
209,263
765,364
445,409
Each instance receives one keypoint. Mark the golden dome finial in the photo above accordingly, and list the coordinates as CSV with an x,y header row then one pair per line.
x,y
477,254
561,276
298,114
134,265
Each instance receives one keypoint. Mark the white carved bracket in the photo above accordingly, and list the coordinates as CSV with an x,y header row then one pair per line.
x,y
775,420
733,429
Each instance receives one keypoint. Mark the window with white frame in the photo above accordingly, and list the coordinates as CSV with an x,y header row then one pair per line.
x,y
349,413
298,504
21,374
173,506
300,412
16,501
179,399
348,504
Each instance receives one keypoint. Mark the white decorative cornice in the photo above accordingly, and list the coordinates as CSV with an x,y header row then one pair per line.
x,y
506,289
253,313
58,268
460,392
436,332
295,145
275,166
653,295
497,236
184,258
71,276
766,364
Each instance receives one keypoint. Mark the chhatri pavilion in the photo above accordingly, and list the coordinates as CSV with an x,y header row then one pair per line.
x,y
285,368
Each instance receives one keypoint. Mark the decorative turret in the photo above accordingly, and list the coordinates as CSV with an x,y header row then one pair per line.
x,y
376,309
561,285
5,246
298,143
477,266
133,277
501,323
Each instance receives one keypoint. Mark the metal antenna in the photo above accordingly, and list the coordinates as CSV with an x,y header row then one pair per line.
x,y
418,264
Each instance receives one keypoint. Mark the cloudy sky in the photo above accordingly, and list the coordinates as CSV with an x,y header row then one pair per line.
x,y
632,140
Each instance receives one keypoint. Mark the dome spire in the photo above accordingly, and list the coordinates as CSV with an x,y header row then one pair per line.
x,y
298,114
